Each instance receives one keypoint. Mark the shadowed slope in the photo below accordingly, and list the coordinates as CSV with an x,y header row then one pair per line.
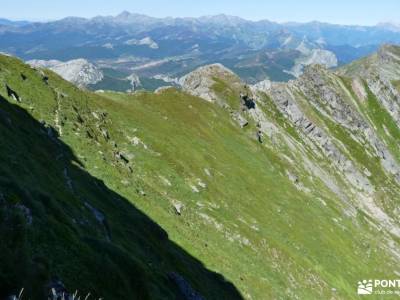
x,y
279,187
57,220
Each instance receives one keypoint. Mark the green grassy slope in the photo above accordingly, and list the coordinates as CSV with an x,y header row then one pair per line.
x,y
183,189
124,256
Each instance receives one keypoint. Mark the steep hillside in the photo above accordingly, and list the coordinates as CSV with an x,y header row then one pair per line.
x,y
271,191
59,221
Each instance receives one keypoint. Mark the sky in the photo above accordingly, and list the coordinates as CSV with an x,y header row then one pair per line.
x,y
361,12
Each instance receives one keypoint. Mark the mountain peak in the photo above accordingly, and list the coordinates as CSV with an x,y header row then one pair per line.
x,y
216,70
390,26
128,17
124,14
385,63
223,19
200,81
388,51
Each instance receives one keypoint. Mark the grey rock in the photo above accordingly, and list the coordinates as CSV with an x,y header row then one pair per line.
x,y
200,82
184,287
26,213
239,119
78,71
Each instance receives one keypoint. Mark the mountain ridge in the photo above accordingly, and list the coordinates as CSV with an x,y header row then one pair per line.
x,y
288,190
131,15
171,47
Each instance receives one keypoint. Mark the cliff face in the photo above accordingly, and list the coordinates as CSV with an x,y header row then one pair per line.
x,y
339,129
221,191
77,71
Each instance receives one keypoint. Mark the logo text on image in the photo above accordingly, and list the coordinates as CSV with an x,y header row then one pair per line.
x,y
365,287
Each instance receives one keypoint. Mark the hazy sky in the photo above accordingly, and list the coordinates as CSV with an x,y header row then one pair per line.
x,y
363,12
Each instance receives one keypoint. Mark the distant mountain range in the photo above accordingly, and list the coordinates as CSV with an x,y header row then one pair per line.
x,y
13,23
153,48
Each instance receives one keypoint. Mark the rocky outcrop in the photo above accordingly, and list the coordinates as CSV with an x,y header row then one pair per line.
x,y
314,56
101,219
200,82
287,103
324,91
167,79
78,71
185,289
261,86
379,72
325,111
147,41
135,81
11,93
